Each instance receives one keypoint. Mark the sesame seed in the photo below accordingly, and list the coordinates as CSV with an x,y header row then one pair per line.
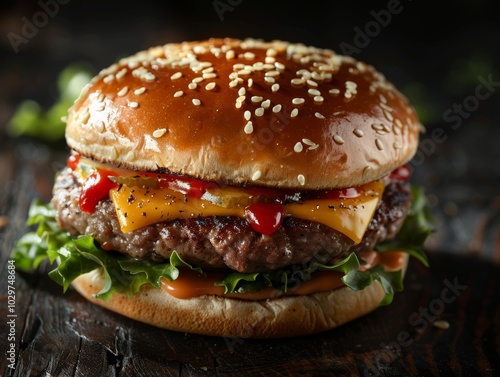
x,y
108,79
178,93
276,108
249,55
242,91
238,105
318,99
385,107
388,115
301,179
358,132
250,83
379,144
256,99
133,105
121,73
279,66
196,102
275,87
256,175
130,156
248,128
197,80
269,59
266,104
441,324
294,113
312,83
259,111
159,132
382,98
319,115
209,75
334,91
298,147
233,83
208,70
247,114
338,139
303,72
314,92
351,84
272,73
230,54
348,94
377,126
258,66
244,72
99,126
192,85
241,99
271,52
139,91
176,75
297,83
269,80
397,145
396,130
312,147
316,76
308,142
298,101
122,91
210,86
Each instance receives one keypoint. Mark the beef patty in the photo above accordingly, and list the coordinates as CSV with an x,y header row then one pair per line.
x,y
225,241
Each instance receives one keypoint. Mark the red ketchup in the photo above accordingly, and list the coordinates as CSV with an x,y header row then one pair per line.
x,y
401,174
265,218
96,188
73,161
194,188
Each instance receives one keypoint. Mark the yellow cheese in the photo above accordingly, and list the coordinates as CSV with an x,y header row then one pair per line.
x,y
138,207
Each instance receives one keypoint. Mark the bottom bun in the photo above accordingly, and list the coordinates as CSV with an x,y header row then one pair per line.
x,y
228,317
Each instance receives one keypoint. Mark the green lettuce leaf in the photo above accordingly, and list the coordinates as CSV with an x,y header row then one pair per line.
x,y
31,119
77,256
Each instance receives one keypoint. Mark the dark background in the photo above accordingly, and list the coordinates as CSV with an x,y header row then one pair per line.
x,y
437,53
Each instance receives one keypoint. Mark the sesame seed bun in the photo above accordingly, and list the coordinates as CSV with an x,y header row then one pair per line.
x,y
217,316
246,112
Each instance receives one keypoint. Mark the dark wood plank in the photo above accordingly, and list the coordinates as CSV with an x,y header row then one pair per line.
x,y
64,335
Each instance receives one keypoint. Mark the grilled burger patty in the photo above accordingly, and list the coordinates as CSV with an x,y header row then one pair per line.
x,y
225,241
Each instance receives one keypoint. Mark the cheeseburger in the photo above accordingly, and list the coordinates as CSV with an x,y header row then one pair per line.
x,y
235,188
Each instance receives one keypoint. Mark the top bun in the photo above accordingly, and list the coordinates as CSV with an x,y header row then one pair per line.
x,y
246,112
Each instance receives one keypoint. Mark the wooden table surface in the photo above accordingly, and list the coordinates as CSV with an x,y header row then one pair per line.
x,y
60,334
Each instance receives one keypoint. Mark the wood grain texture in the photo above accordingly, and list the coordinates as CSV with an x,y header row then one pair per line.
x,y
63,335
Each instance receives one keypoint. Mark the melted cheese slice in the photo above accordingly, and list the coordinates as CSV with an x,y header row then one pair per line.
x,y
137,207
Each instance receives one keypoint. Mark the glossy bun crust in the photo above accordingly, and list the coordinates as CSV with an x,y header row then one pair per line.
x,y
246,112
217,316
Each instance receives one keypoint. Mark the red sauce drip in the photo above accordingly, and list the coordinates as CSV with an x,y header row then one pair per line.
x,y
194,188
401,174
351,192
96,188
265,218
73,161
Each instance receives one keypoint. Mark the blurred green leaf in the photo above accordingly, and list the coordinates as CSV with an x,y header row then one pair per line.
x,y
30,119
